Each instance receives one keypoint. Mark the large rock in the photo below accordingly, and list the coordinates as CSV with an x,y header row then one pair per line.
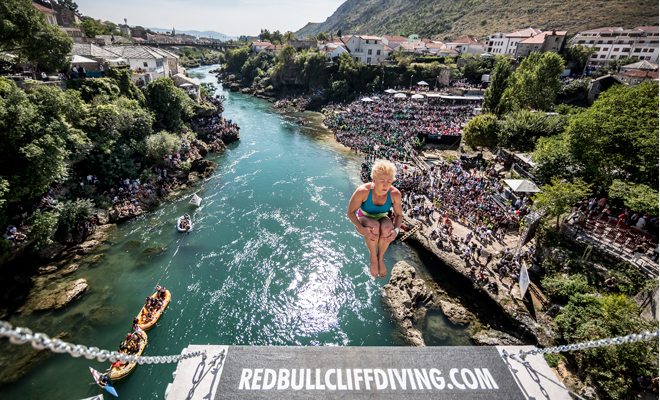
x,y
456,313
407,297
54,296
492,337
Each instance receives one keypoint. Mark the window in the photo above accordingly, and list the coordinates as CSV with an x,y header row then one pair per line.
x,y
357,58
580,41
368,60
591,42
377,52
144,64
369,51
609,42
602,56
599,42
616,49
638,50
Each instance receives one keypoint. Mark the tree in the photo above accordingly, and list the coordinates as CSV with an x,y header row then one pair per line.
x,y
557,198
92,27
264,35
70,4
637,197
322,37
521,129
577,57
481,131
499,80
161,144
535,83
170,105
553,159
617,137
236,58
25,32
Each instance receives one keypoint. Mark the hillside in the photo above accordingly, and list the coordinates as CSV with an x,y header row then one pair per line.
x,y
445,19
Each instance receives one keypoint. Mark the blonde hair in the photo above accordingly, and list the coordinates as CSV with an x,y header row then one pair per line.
x,y
383,167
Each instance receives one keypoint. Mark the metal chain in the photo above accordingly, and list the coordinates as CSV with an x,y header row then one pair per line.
x,y
632,338
41,341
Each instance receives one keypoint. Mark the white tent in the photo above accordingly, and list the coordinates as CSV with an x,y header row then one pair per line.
x,y
76,59
400,96
522,185
422,83
391,91
417,96
367,99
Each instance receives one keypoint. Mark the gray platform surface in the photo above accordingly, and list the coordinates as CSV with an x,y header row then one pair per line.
x,y
259,372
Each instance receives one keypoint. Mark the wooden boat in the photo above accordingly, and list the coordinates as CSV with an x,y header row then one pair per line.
x,y
195,200
178,224
123,371
146,325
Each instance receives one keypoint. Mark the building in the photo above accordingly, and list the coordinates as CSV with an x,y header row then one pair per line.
x,y
599,85
636,73
394,42
615,43
366,49
65,16
333,49
48,13
146,62
507,43
545,41
94,52
300,44
259,46
466,45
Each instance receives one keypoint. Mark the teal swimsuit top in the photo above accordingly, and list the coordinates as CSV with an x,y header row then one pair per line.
x,y
369,208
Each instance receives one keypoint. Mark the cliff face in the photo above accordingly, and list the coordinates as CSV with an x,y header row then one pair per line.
x,y
446,19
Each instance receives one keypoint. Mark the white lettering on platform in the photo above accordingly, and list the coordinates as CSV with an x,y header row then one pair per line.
x,y
364,379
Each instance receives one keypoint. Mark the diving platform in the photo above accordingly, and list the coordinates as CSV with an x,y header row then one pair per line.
x,y
328,372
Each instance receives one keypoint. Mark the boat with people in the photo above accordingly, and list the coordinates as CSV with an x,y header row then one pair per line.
x,y
195,200
184,223
153,308
103,381
134,345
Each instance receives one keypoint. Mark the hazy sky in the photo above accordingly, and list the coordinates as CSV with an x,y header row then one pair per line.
x,y
232,17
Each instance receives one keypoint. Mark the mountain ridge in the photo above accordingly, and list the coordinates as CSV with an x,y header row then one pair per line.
x,y
448,19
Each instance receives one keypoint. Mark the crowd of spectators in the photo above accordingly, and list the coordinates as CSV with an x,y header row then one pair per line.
x,y
383,126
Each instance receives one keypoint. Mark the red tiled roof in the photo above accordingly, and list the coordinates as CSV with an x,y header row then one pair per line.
x,y
527,32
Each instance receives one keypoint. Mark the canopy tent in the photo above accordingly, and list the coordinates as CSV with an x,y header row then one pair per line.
x,y
76,59
422,83
417,96
522,185
367,99
391,91
400,96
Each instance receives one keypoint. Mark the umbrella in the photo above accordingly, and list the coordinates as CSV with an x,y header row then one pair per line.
x,y
422,83
522,185
417,96
391,91
400,96
76,59
367,99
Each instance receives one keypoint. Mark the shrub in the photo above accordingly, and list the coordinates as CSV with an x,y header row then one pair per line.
x,y
161,144
70,214
42,228
560,288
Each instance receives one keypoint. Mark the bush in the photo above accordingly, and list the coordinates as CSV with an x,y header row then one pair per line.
x,y
553,359
42,228
70,214
560,288
162,144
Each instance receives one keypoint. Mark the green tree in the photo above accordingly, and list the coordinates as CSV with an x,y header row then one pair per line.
x,y
535,83
554,159
25,32
170,105
521,129
235,58
42,228
92,27
557,198
636,196
617,137
481,131
612,369
499,80
322,37
560,288
70,214
577,57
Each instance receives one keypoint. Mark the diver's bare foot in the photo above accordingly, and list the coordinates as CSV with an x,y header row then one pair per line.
x,y
373,268
382,269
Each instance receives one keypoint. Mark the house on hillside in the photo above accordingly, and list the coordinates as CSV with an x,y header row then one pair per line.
x,y
507,43
333,49
147,63
366,49
434,47
300,44
615,43
466,45
636,73
545,41
94,52
65,16
48,13
394,42
259,46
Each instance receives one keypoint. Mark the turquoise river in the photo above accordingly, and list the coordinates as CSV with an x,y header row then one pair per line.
x,y
272,260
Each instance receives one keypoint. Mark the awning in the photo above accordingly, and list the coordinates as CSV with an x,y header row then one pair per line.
x,y
118,61
76,59
522,185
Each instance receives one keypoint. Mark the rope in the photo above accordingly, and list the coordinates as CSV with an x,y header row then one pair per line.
x,y
41,341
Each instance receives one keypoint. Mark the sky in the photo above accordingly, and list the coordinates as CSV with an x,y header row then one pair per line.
x,y
231,17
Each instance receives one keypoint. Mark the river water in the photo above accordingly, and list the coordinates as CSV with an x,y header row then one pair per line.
x,y
272,260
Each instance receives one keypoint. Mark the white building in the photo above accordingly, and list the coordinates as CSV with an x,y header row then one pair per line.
x,y
507,43
333,49
367,49
466,45
146,62
614,43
